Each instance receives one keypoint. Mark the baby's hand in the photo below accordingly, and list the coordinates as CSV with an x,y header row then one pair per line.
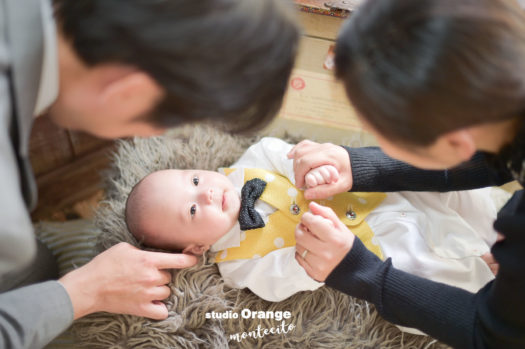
x,y
325,174
491,262
308,155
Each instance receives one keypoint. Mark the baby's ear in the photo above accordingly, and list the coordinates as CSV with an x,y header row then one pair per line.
x,y
196,249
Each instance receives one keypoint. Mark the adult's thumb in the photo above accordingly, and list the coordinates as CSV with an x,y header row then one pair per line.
x,y
323,191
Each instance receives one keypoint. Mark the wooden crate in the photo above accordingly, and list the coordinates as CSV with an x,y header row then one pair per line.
x,y
318,20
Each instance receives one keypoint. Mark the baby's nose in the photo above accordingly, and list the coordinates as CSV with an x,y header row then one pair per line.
x,y
207,196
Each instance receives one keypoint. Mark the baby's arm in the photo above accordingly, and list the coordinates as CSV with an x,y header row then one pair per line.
x,y
325,174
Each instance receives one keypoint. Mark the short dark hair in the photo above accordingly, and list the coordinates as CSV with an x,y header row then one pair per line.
x,y
218,60
416,69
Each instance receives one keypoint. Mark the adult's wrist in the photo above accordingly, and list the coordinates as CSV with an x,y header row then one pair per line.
x,y
364,173
358,274
82,292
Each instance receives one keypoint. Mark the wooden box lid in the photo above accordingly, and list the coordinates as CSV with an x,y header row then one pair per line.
x,y
335,8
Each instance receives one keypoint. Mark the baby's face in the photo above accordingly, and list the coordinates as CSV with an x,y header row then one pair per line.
x,y
190,207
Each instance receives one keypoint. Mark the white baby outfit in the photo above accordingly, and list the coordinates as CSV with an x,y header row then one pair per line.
x,y
439,236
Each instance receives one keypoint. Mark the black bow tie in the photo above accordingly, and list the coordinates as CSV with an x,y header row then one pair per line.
x,y
248,217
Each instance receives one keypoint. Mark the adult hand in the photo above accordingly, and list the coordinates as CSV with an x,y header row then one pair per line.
x,y
124,280
308,155
326,239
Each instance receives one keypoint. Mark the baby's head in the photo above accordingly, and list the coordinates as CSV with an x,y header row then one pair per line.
x,y
186,210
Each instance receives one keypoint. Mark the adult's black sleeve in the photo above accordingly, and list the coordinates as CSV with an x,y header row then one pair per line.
x,y
373,170
492,318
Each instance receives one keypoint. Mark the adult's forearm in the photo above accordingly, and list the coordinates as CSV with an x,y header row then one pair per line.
x,y
441,311
456,317
373,170
30,317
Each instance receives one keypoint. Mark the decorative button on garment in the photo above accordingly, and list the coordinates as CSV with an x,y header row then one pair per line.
x,y
351,215
295,209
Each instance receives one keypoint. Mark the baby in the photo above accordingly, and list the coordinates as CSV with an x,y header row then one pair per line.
x,y
439,236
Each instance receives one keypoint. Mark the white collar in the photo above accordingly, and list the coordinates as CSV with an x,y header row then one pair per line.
x,y
230,239
234,237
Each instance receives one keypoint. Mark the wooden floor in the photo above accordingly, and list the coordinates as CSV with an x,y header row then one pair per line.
x,y
67,167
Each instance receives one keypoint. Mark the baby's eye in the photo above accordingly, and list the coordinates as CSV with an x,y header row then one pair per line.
x,y
195,181
193,210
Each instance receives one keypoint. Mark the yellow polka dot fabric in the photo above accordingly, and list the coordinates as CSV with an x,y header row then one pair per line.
x,y
279,232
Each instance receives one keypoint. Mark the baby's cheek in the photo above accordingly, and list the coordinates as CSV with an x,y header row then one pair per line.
x,y
225,220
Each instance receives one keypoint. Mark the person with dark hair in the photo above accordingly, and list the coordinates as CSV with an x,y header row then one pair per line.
x,y
441,84
226,61
118,68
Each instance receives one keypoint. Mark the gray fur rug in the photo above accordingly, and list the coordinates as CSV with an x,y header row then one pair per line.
x,y
321,319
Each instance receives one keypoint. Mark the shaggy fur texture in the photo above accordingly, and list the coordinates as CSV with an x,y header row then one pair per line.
x,y
322,319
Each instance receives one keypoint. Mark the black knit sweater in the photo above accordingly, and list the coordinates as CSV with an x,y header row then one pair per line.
x,y
492,318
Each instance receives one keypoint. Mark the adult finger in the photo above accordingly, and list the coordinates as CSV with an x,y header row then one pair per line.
x,y
164,260
310,162
317,224
291,153
160,293
299,249
322,191
165,277
306,266
155,310
300,169
307,239
302,151
299,148
310,264
325,212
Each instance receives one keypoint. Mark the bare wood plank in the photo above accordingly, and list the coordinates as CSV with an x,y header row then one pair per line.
x,y
84,143
76,181
49,146
319,7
